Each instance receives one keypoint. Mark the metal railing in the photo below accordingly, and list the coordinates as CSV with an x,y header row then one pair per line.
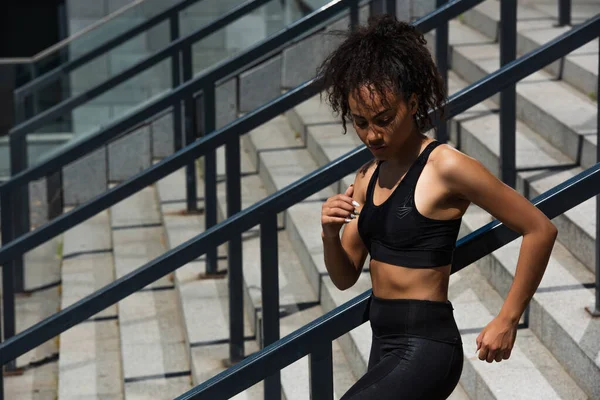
x,y
41,81
315,339
17,247
264,213
564,12
185,93
179,51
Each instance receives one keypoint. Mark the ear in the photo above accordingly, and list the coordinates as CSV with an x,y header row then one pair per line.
x,y
413,104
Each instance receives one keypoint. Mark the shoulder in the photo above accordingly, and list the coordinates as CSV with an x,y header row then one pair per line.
x,y
362,179
450,164
460,173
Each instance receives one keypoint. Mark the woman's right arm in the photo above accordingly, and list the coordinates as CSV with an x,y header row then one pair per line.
x,y
345,256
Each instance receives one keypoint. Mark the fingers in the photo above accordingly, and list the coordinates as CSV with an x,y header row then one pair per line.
x,y
483,353
350,191
490,354
499,356
336,220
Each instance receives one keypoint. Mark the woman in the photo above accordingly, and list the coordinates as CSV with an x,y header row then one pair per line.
x,y
404,210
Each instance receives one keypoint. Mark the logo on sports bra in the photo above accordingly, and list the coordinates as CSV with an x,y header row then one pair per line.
x,y
403,211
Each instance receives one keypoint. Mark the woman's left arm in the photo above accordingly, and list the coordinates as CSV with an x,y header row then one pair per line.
x,y
468,179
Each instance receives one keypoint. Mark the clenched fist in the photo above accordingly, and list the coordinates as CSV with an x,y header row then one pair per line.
x,y
337,211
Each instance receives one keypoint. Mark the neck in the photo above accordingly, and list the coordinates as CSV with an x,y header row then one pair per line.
x,y
409,152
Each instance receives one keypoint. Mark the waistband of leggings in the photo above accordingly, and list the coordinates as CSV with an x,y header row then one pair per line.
x,y
412,317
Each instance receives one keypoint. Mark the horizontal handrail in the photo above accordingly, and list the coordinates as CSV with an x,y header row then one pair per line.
x,y
275,203
107,46
65,107
170,164
353,313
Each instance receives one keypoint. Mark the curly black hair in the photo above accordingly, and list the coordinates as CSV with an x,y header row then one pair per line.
x,y
389,55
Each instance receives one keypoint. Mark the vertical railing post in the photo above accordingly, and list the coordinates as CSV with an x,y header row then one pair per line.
x,y
210,174
176,81
508,97
321,372
190,133
269,278
8,292
35,98
441,56
234,253
595,309
564,12
390,7
20,113
354,15
20,202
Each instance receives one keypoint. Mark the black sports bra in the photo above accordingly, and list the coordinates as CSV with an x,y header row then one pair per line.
x,y
394,232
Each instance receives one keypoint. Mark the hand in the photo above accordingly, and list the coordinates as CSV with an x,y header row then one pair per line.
x,y
496,340
337,211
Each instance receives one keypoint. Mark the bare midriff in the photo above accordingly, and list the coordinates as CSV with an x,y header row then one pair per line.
x,y
396,282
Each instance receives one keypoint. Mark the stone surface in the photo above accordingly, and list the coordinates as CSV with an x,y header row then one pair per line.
x,y
300,61
226,98
480,137
85,178
129,155
163,144
260,85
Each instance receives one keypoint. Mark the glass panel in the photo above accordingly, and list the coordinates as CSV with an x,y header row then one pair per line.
x,y
91,116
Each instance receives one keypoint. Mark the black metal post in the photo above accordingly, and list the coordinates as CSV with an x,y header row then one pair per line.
x,y
20,206
8,292
210,174
508,97
234,256
176,81
269,277
35,98
390,7
321,373
354,15
190,133
441,56
595,312
19,109
564,12
54,194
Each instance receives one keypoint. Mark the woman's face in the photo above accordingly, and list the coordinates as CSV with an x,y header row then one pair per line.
x,y
382,126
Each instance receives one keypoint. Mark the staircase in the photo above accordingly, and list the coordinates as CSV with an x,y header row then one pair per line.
x,y
173,334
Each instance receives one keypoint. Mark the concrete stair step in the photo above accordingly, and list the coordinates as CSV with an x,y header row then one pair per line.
x,y
280,158
568,124
557,315
295,291
90,352
536,25
298,301
531,372
479,129
295,377
580,10
204,301
153,348
39,367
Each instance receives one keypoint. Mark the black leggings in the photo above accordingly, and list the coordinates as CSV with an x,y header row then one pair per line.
x,y
416,352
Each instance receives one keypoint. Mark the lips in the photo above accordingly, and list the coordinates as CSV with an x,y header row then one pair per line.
x,y
377,148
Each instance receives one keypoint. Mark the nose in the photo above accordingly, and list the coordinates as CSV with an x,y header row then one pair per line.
x,y
373,136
